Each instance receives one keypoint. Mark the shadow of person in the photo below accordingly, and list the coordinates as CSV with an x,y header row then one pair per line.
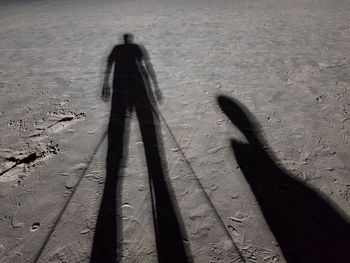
x,y
132,78
305,224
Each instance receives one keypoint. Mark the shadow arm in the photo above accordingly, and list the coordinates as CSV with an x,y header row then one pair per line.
x,y
106,89
151,74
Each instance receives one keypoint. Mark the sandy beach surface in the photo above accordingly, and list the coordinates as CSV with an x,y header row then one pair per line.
x,y
286,62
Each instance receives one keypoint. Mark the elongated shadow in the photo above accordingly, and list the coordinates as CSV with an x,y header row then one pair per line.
x,y
132,78
307,227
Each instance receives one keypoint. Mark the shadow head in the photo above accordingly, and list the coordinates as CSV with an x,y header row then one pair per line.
x,y
128,38
241,117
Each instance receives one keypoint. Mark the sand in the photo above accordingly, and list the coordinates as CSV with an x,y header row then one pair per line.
x,y
286,61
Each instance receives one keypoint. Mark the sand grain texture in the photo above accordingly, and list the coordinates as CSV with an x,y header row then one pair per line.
x,y
288,62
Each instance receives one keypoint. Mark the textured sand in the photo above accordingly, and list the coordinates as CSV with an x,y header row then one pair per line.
x,y
287,61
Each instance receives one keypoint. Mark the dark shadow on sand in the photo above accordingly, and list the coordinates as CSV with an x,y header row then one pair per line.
x,y
133,74
306,225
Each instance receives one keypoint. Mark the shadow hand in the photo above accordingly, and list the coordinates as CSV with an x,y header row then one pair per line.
x,y
159,95
106,92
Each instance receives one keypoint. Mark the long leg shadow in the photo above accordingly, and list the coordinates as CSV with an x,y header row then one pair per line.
x,y
306,226
131,92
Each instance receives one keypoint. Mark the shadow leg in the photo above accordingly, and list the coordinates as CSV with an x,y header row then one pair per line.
x,y
107,239
170,246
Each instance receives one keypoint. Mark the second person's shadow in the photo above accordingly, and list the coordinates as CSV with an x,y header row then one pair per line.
x,y
307,226
133,74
